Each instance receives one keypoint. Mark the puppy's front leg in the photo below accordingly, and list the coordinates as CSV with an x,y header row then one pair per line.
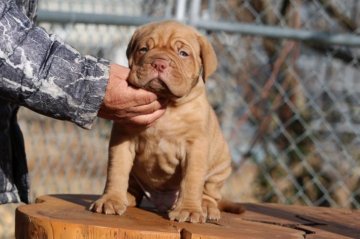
x,y
121,156
194,168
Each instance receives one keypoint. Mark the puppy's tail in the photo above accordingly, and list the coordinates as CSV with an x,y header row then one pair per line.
x,y
231,207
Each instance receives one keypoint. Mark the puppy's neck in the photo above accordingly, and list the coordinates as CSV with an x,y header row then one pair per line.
x,y
197,91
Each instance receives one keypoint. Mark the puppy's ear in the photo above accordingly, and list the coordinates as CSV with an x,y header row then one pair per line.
x,y
132,47
208,57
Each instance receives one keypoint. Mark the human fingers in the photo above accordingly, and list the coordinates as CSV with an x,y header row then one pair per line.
x,y
141,96
144,109
147,119
123,114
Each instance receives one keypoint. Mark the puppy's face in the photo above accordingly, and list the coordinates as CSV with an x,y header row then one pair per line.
x,y
168,58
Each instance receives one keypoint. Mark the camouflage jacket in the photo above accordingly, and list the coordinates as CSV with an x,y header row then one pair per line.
x,y
40,72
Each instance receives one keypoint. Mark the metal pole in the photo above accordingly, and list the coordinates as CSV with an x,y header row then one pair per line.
x,y
195,10
242,28
180,10
281,32
90,18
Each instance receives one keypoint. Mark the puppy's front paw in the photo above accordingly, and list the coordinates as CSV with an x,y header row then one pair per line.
x,y
184,214
109,204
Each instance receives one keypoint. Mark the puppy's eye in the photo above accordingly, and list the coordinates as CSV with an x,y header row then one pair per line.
x,y
143,50
183,54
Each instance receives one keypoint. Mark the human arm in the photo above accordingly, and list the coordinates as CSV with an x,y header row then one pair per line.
x,y
40,72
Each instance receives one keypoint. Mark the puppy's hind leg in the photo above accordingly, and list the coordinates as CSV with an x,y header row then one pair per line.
x,y
212,195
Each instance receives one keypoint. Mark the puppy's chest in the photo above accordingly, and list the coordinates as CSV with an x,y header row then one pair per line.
x,y
160,149
159,153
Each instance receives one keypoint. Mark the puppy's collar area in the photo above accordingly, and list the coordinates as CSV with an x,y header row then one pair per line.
x,y
201,72
198,77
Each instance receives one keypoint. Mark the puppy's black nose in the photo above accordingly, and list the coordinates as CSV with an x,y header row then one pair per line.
x,y
160,64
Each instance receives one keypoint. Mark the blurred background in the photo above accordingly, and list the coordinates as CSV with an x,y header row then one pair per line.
x,y
286,91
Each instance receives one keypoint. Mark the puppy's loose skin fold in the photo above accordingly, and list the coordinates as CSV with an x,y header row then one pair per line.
x,y
180,162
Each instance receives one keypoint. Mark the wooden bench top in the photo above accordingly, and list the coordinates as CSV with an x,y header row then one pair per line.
x,y
66,216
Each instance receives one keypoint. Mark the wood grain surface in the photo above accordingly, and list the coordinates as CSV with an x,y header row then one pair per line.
x,y
66,217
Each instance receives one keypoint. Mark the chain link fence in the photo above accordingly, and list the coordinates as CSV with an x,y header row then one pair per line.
x,y
290,110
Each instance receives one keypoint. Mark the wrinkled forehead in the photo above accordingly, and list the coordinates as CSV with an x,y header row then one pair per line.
x,y
163,35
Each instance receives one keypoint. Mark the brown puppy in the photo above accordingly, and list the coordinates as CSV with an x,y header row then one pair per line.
x,y
181,162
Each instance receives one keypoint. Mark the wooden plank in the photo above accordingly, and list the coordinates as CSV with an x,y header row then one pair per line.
x,y
66,216
316,222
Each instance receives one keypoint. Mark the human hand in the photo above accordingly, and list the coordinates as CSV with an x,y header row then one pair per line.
x,y
123,103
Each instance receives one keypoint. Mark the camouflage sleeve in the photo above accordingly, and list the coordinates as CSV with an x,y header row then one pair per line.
x,y
42,73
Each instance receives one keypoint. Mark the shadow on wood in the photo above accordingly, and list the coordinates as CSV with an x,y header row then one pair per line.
x,y
66,216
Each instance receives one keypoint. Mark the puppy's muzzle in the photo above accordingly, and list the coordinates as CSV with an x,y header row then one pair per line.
x,y
161,65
